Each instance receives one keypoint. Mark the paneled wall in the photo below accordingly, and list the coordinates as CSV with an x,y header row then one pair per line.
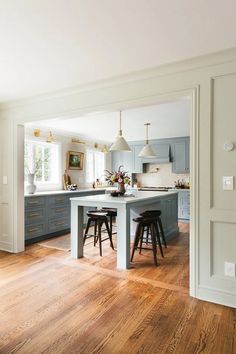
x,y
211,83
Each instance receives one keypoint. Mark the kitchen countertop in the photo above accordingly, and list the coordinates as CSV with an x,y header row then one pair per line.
x,y
65,192
45,193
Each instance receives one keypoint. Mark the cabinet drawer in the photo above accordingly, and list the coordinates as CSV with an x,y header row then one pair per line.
x,y
56,225
34,216
32,231
32,202
59,211
58,199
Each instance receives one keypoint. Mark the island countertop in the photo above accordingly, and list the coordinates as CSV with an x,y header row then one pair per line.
x,y
134,197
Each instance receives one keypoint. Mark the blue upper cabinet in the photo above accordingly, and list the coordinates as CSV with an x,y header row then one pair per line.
x,y
123,158
180,155
174,150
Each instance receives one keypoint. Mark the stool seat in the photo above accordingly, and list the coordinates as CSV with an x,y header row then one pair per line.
x,y
97,214
151,213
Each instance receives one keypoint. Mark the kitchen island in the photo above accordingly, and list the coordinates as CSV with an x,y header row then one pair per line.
x,y
127,207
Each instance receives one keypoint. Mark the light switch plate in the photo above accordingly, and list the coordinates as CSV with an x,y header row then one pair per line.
x,y
228,183
229,269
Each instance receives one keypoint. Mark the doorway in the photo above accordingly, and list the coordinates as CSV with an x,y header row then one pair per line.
x,y
193,176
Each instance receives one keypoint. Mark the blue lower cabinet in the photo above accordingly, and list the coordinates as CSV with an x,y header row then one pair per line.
x,y
184,205
49,216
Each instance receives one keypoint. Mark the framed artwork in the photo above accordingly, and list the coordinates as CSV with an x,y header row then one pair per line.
x,y
75,160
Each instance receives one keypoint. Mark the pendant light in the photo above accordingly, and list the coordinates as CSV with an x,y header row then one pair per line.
x,y
120,143
147,150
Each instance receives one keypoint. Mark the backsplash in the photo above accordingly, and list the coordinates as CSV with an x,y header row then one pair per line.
x,y
163,177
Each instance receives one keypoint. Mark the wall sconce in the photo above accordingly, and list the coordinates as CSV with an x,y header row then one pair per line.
x,y
105,149
37,133
49,138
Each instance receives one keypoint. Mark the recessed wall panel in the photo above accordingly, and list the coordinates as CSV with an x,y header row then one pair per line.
x,y
223,130
223,250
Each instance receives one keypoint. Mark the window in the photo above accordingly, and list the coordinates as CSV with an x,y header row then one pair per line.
x,y
42,159
95,166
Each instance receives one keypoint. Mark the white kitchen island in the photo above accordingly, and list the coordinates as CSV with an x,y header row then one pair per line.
x,y
127,208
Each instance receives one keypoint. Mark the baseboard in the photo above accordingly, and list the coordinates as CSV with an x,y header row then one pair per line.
x,y
6,246
217,296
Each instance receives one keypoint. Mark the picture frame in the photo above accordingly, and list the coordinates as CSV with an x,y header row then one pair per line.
x,y
75,160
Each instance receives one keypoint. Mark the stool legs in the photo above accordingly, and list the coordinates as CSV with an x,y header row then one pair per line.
x,y
154,245
109,233
136,240
158,239
139,234
97,236
162,231
87,229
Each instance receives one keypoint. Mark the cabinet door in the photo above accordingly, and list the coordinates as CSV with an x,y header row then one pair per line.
x,y
184,205
124,158
138,163
180,151
116,159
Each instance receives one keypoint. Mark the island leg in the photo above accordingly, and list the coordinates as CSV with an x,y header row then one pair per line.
x,y
123,237
76,230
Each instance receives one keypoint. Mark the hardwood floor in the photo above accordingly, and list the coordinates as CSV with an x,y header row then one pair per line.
x,y
53,304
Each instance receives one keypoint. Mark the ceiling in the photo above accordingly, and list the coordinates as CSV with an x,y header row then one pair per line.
x,y
53,45
171,119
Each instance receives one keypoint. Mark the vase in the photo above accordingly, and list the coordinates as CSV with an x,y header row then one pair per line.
x,y
121,188
31,187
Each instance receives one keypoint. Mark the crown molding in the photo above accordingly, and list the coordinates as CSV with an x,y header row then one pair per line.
x,y
216,58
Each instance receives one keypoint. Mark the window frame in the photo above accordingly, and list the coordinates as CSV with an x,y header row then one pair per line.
x,y
94,152
44,185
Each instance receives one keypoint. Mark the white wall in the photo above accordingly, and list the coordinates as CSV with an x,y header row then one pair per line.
x,y
212,82
65,141
164,177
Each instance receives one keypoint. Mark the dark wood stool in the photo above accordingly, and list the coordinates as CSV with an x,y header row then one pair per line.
x,y
98,217
143,223
111,213
157,214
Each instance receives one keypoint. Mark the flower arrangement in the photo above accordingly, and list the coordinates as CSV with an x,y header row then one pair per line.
x,y
117,176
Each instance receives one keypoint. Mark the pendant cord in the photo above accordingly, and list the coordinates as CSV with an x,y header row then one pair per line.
x,y
120,131
147,124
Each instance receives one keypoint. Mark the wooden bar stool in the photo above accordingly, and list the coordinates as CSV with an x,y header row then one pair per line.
x,y
111,213
145,222
98,217
157,214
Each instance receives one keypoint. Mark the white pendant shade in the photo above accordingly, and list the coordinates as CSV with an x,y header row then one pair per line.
x,y
120,143
147,150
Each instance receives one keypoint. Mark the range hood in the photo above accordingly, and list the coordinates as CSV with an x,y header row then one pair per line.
x,y
162,152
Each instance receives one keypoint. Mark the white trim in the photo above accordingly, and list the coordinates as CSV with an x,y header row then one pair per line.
x,y
193,93
217,296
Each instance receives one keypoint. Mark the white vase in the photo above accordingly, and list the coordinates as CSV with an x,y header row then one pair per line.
x,y
31,187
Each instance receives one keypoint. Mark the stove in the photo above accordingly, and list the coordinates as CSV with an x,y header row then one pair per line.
x,y
157,189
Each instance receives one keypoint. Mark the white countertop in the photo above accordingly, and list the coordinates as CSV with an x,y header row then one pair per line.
x,y
64,192
137,196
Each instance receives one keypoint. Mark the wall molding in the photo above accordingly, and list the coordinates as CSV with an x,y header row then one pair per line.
x,y
216,58
217,296
6,246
